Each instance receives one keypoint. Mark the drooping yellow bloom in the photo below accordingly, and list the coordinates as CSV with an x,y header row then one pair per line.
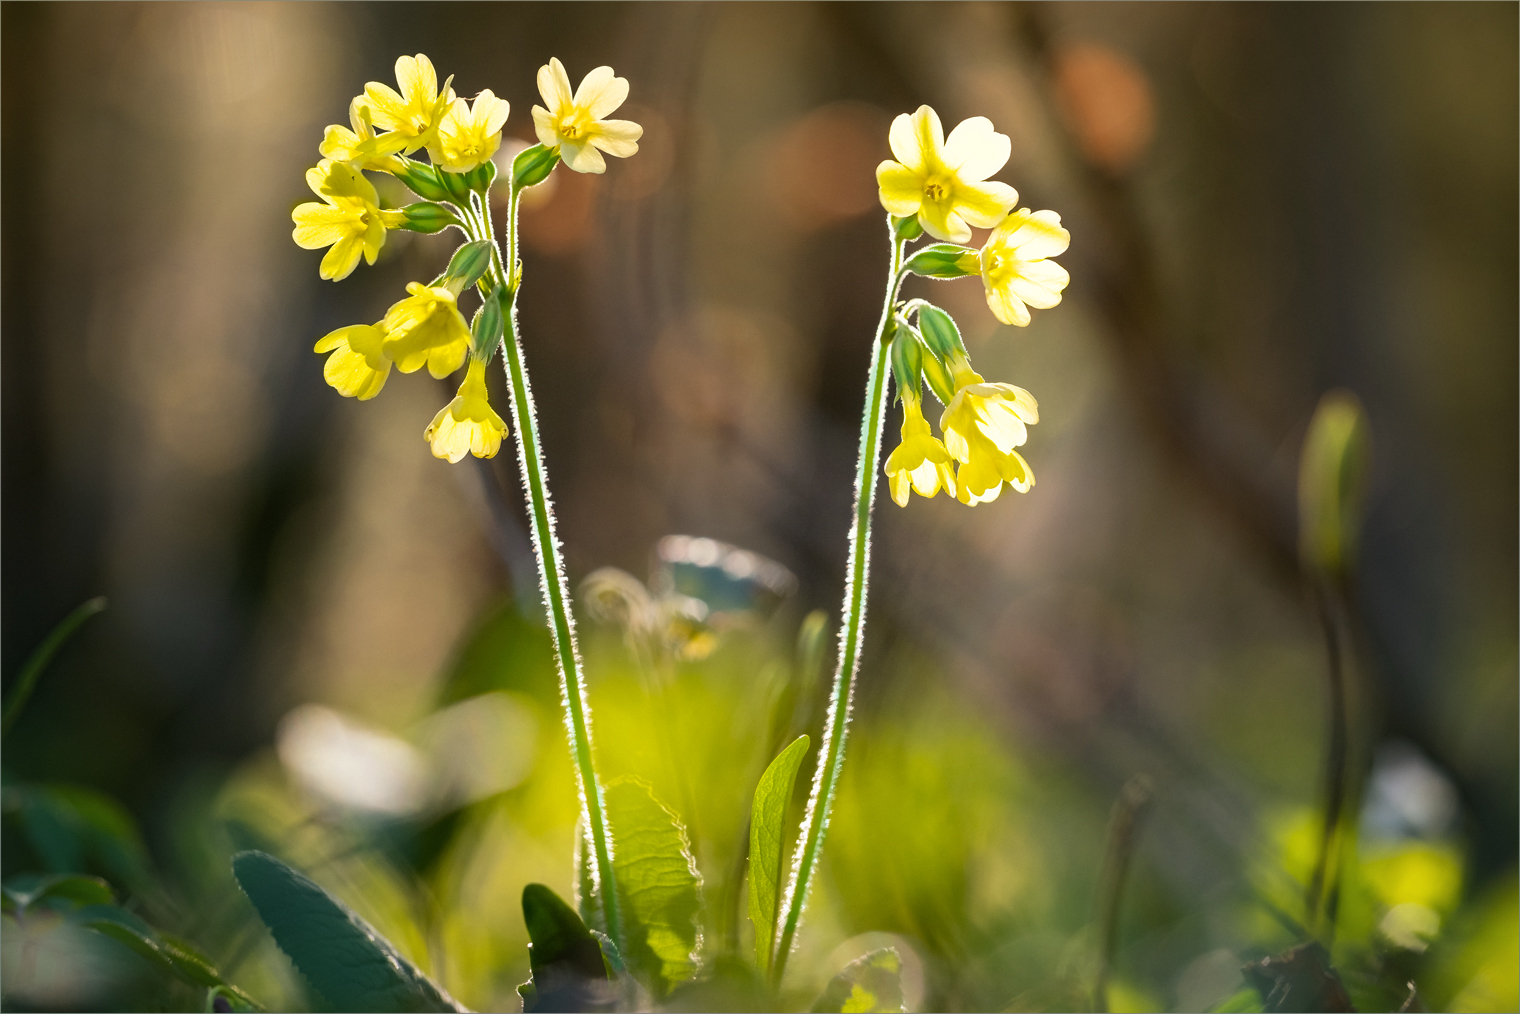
x,y
1014,266
426,327
361,147
982,425
350,221
468,136
468,423
920,462
357,367
575,124
942,181
413,114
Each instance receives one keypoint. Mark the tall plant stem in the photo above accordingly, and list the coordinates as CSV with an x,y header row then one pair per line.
x,y
551,572
852,632
1323,895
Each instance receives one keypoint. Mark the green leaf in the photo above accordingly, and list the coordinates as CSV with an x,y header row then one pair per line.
x,y
427,217
353,967
1332,474
767,831
868,984
533,165
658,883
32,671
569,969
168,954
944,260
73,828
70,890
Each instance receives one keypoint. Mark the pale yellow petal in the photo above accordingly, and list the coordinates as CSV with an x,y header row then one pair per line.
x,y
446,359
543,126
984,205
489,113
418,79
617,137
387,109
1033,236
902,485
901,189
554,86
941,222
340,261
975,151
1039,283
319,225
1007,307
582,158
601,92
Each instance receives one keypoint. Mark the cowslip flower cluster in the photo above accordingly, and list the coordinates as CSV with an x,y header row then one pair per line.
x,y
461,137
940,186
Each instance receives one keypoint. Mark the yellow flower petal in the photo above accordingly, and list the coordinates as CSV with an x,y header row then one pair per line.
x,y
975,151
554,86
601,92
617,137
984,205
468,424
339,262
901,189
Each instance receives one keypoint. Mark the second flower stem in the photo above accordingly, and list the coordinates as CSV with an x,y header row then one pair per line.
x,y
851,636
551,572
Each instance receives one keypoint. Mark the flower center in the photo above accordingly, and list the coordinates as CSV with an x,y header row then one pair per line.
x,y
936,189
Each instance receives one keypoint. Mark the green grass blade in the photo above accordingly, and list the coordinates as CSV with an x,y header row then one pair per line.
x,y
351,965
32,671
767,830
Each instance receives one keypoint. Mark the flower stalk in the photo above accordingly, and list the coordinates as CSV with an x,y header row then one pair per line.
x,y
852,634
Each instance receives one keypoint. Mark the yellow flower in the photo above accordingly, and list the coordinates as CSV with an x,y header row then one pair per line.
x,y
942,180
361,147
426,327
469,136
349,221
468,423
575,125
1014,266
920,462
357,367
413,114
982,425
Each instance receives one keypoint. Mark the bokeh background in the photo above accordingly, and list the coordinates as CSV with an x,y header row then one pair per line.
x,y
1266,202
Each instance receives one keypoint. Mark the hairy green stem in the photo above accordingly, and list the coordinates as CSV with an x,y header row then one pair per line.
x,y
551,572
1322,897
836,728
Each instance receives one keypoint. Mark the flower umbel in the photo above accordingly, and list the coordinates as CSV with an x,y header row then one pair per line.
x,y
350,221
1014,266
469,134
468,423
982,425
357,367
575,124
361,147
414,112
426,327
920,462
941,180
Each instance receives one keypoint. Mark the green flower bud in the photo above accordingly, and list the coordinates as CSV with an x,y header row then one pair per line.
x,y
907,363
907,228
459,189
533,165
481,177
422,180
941,336
427,217
1332,474
944,260
468,264
486,328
